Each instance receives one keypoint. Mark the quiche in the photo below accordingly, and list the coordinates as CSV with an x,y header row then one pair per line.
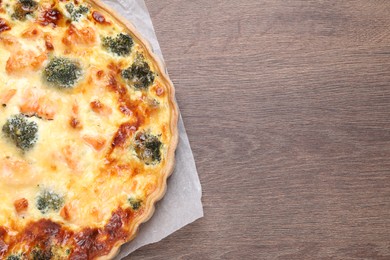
x,y
88,133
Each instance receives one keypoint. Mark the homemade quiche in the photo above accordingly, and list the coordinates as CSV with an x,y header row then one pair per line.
x,y
88,130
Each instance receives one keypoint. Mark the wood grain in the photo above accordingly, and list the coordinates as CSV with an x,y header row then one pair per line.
x,y
287,107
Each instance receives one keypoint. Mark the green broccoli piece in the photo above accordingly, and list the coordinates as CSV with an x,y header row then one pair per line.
x,y
14,257
29,4
76,13
135,204
49,201
120,45
148,148
23,132
39,254
139,75
62,72
23,8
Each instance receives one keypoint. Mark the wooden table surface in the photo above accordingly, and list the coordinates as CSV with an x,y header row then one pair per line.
x,y
287,108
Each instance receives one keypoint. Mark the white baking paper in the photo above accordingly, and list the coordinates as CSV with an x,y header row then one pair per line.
x,y
181,204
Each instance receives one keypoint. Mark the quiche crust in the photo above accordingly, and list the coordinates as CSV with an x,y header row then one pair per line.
x,y
174,119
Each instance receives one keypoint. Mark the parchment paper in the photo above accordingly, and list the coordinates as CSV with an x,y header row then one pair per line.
x,y
181,204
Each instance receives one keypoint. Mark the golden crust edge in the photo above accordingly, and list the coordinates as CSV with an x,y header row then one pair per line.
x,y
174,116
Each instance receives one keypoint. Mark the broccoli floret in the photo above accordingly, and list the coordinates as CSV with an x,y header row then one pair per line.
x,y
120,45
135,204
14,257
148,148
23,132
23,8
39,254
49,201
62,72
28,4
76,13
139,75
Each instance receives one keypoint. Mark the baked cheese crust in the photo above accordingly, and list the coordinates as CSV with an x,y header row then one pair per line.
x,y
88,130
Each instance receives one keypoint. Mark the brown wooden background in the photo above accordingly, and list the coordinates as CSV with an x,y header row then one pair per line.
x,y
287,107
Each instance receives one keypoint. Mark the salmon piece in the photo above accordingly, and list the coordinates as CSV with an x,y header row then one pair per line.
x,y
74,121
65,155
7,95
65,212
134,185
100,108
13,165
84,36
96,142
75,107
9,42
69,157
49,42
37,61
36,103
21,205
32,32
22,61
15,172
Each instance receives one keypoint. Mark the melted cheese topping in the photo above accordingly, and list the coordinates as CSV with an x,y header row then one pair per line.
x,y
75,155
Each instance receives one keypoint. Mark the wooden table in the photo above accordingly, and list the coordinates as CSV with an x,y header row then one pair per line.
x,y
287,107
